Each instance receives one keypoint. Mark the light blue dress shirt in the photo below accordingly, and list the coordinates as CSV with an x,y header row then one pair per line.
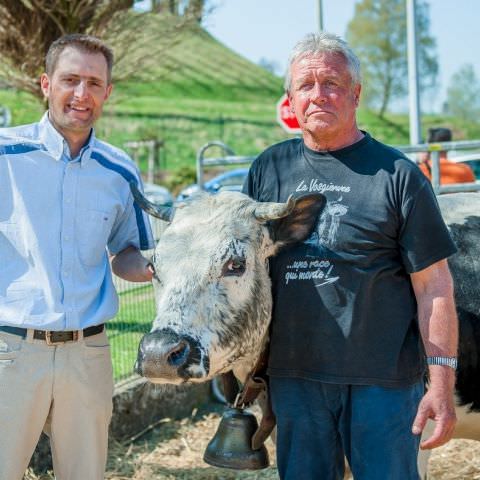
x,y
59,219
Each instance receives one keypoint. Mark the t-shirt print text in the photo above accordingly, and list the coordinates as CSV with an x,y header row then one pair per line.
x,y
316,186
317,270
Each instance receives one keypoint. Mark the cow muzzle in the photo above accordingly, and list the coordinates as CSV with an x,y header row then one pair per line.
x,y
167,357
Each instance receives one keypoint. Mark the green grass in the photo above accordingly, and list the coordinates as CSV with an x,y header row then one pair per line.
x,y
24,107
201,67
134,318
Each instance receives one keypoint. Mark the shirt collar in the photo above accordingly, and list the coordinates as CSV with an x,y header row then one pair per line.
x,y
56,144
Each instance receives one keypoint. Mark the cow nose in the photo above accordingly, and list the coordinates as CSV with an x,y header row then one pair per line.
x,y
161,354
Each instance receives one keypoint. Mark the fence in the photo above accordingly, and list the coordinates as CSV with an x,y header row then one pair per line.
x,y
434,149
154,156
137,308
134,318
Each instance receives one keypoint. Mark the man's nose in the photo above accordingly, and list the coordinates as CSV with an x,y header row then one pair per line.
x,y
81,90
318,92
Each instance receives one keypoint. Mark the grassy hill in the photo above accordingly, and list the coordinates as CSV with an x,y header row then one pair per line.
x,y
203,91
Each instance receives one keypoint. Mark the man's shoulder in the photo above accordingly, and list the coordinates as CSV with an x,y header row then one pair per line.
x,y
113,158
279,151
387,154
386,151
19,139
284,146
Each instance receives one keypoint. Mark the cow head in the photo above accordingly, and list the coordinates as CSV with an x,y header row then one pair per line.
x,y
212,289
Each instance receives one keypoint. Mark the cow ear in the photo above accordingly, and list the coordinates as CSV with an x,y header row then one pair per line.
x,y
299,224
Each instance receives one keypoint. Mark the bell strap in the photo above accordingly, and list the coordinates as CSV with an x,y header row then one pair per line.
x,y
267,423
256,384
230,387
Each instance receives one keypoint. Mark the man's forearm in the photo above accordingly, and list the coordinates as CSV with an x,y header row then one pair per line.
x,y
439,330
438,324
437,318
131,265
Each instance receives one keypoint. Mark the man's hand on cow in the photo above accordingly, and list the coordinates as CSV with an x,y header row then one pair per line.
x,y
130,265
437,405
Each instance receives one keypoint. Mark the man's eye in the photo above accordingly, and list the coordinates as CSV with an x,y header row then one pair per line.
x,y
306,86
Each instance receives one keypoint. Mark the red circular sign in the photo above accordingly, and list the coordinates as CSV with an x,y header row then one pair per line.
x,y
285,117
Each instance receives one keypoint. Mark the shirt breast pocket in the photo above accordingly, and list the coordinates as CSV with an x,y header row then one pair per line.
x,y
93,231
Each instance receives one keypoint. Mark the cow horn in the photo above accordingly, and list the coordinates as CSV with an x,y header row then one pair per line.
x,y
265,211
159,211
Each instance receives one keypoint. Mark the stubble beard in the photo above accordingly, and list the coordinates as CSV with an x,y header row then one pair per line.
x,y
64,123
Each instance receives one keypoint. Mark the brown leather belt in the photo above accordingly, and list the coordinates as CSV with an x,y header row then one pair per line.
x,y
55,338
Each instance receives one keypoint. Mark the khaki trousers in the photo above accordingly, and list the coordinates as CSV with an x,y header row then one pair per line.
x,y
64,390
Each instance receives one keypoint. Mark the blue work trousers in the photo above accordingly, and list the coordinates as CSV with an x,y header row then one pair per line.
x,y
318,423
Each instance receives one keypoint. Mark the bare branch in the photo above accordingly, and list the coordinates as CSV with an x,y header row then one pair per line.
x,y
140,40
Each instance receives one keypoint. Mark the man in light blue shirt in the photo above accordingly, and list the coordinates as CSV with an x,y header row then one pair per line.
x,y
65,207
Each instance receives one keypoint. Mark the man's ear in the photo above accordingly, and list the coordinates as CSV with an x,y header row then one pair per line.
x,y
299,224
44,84
108,91
356,93
290,99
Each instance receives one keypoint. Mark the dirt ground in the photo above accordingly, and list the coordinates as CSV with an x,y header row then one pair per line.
x,y
173,450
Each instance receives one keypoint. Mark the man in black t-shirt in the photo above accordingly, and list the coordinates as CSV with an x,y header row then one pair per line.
x,y
357,305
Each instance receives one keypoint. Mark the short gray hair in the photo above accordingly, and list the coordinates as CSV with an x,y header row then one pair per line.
x,y
323,42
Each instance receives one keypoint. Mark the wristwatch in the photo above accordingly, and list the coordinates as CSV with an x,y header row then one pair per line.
x,y
447,361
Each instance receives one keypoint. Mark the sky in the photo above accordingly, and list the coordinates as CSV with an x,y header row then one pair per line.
x,y
269,28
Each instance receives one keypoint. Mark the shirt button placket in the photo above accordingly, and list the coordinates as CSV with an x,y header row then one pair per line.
x,y
68,254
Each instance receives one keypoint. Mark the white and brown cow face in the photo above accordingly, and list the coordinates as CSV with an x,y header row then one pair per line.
x,y
212,288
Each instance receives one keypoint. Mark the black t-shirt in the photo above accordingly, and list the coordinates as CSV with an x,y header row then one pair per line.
x,y
344,308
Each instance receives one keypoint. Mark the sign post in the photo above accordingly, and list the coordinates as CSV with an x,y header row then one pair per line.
x,y
286,118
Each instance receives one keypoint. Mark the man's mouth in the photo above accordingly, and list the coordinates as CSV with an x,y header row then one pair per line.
x,y
77,108
318,112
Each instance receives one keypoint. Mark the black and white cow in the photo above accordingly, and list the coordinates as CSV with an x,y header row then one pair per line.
x,y
461,212
213,290
212,287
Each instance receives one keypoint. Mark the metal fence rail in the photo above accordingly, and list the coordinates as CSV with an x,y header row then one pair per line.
x,y
434,149
231,159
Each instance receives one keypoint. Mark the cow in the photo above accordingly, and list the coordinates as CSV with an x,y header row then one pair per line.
x,y
461,212
213,290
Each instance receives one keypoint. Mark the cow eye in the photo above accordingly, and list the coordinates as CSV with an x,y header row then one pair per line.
x,y
234,267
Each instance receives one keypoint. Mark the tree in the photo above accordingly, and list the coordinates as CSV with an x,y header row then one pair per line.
x,y
192,8
269,65
463,95
28,27
378,35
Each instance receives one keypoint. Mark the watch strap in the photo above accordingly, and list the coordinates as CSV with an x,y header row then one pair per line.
x,y
447,361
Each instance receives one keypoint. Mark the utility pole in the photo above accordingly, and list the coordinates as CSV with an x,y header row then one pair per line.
x,y
319,15
413,87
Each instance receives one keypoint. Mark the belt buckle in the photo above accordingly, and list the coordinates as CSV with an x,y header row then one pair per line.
x,y
50,342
